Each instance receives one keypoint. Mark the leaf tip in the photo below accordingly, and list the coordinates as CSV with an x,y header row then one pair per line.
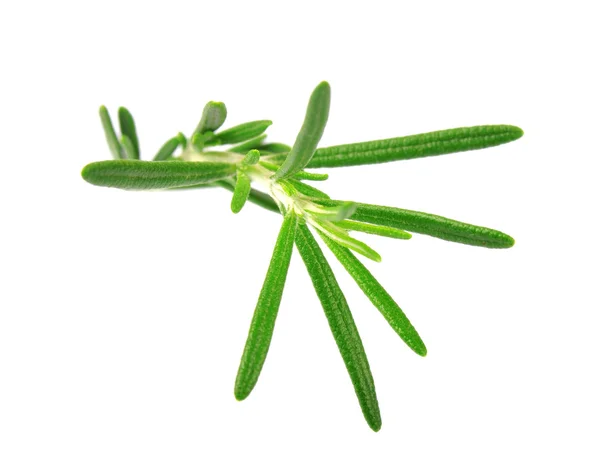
x,y
235,208
85,173
324,85
240,395
517,132
375,423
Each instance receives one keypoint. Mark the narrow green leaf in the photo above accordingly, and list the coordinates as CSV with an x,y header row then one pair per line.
x,y
310,134
168,149
275,147
342,325
138,174
306,189
251,157
251,144
301,175
241,192
127,125
378,296
374,229
110,134
240,133
415,146
265,314
428,224
305,175
127,148
213,117
341,236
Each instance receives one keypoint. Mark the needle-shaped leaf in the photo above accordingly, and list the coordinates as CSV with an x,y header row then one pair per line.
x,y
127,125
305,175
138,174
378,296
341,236
249,144
213,117
429,224
127,148
414,146
265,313
380,230
110,134
301,175
169,148
275,147
241,192
306,189
240,133
342,325
310,133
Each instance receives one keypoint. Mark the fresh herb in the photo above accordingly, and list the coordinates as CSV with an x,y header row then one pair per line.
x,y
269,175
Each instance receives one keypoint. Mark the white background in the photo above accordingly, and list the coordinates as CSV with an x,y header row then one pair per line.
x,y
124,314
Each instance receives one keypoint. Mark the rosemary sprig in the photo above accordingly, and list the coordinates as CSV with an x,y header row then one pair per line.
x,y
270,175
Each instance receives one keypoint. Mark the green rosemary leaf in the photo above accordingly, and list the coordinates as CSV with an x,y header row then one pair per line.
x,y
428,224
127,148
265,314
304,175
249,144
251,157
307,190
342,325
241,192
127,125
213,117
310,134
341,236
415,146
168,149
138,174
110,134
378,296
301,175
374,229
275,147
240,133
